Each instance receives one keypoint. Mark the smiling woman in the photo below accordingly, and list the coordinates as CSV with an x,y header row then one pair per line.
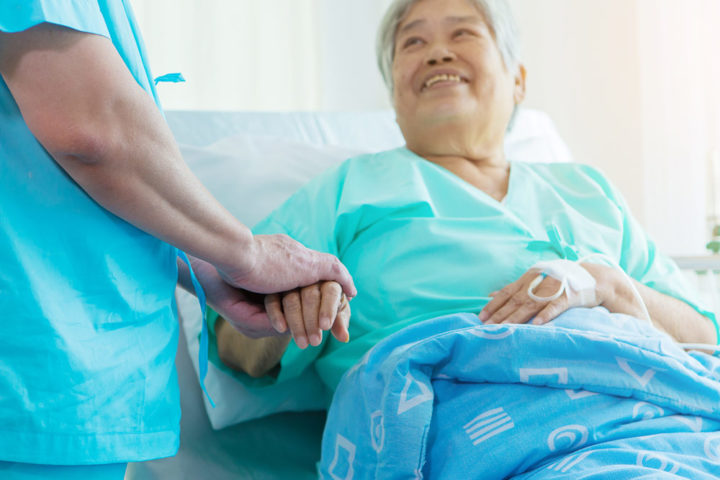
x,y
451,202
453,90
451,233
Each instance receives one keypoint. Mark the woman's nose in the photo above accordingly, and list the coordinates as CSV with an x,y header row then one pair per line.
x,y
438,55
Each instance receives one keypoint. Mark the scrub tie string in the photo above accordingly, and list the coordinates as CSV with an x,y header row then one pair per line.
x,y
204,342
556,243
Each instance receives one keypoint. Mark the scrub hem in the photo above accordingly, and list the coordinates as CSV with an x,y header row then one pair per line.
x,y
72,449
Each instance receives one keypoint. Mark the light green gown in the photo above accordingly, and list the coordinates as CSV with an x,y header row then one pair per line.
x,y
421,242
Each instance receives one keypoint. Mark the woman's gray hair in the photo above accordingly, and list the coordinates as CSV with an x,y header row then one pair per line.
x,y
498,17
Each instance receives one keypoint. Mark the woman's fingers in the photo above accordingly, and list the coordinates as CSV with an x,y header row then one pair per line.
x,y
342,322
310,298
332,295
498,302
516,306
512,304
273,308
523,314
292,309
309,311
551,310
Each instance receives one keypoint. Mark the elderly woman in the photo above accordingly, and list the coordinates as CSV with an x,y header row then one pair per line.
x,y
449,224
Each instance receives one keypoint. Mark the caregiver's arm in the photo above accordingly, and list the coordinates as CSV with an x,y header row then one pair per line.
x,y
83,105
311,309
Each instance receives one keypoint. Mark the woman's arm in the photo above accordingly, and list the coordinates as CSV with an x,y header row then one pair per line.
x,y
512,304
677,318
254,356
310,310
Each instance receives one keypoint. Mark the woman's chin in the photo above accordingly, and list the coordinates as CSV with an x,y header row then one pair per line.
x,y
447,112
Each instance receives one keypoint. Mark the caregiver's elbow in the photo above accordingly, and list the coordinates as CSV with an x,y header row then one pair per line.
x,y
81,141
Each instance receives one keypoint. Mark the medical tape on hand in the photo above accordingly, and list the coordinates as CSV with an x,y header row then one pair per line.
x,y
575,282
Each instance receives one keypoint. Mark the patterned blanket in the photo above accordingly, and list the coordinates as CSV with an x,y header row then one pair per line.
x,y
591,395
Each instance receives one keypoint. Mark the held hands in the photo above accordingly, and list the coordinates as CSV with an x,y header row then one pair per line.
x,y
316,285
277,263
512,304
308,311
304,312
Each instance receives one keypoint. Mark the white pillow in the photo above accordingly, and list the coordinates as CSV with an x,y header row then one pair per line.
x,y
533,138
252,175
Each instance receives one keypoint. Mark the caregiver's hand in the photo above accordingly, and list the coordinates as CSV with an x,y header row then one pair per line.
x,y
513,305
245,311
310,310
277,263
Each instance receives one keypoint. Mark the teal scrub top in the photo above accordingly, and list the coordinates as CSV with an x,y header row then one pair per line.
x,y
420,242
89,330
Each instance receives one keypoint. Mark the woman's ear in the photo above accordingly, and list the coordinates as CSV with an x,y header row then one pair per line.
x,y
520,75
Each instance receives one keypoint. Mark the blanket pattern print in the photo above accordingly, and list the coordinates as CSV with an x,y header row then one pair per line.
x,y
592,395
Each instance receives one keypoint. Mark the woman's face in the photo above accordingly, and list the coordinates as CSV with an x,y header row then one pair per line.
x,y
448,70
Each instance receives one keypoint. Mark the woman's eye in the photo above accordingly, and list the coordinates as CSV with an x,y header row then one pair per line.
x,y
463,32
412,41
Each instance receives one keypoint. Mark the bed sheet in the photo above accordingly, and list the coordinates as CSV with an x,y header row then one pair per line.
x,y
590,395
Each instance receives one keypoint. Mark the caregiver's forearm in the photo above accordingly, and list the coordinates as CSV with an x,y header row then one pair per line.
x,y
254,356
677,318
83,105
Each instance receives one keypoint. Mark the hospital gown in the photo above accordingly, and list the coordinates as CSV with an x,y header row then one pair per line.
x,y
420,242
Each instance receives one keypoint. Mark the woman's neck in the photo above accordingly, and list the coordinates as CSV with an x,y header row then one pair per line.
x,y
488,171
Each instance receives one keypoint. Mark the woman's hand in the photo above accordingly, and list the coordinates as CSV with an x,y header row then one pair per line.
x,y
512,304
305,313
310,310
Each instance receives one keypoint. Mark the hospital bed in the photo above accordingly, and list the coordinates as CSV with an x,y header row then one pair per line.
x,y
252,162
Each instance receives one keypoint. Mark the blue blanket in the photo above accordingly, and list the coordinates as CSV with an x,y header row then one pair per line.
x,y
591,395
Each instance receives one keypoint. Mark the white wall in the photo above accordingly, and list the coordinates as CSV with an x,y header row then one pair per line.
x,y
631,84
680,77
265,54
581,58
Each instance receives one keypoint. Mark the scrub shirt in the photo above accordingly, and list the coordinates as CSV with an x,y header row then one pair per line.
x,y
89,329
420,242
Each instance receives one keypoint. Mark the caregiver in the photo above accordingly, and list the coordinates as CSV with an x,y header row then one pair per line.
x,y
95,202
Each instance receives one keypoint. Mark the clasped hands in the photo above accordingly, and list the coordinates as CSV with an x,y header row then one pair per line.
x,y
315,287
